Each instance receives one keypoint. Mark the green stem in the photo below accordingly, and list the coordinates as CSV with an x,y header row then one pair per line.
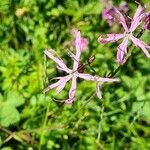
x,y
100,122
92,69
47,108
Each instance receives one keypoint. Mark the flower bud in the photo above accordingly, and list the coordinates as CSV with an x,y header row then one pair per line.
x,y
91,59
81,68
147,21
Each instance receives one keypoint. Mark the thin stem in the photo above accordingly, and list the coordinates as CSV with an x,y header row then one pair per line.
x,y
47,108
137,114
83,106
100,122
92,68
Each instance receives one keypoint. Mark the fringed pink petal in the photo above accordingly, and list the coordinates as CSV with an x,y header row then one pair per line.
x,y
142,45
108,15
58,61
100,79
110,38
62,84
54,85
84,43
72,91
86,76
77,43
121,51
98,91
122,20
139,15
80,43
96,78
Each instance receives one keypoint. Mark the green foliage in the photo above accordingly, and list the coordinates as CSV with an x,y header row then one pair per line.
x,y
30,119
8,112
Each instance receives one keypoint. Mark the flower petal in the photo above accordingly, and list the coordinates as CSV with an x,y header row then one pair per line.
x,y
86,76
121,50
96,78
108,14
98,92
122,20
100,79
139,15
110,38
58,61
142,45
80,44
62,84
139,11
77,43
72,90
59,85
54,85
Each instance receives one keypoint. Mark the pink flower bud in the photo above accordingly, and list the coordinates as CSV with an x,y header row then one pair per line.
x,y
147,21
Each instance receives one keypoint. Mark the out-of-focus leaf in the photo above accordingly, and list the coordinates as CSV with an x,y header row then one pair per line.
x,y
6,148
143,109
8,115
14,98
93,8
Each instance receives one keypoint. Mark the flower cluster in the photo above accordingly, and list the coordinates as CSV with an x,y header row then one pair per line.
x,y
80,43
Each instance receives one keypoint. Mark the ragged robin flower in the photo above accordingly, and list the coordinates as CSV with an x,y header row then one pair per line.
x,y
73,74
127,35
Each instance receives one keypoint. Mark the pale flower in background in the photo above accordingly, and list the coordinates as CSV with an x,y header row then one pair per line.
x,y
109,12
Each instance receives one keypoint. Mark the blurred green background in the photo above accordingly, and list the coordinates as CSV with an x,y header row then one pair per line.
x,y
31,120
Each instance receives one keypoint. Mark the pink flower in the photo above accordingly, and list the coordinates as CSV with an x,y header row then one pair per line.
x,y
109,12
73,74
108,15
128,34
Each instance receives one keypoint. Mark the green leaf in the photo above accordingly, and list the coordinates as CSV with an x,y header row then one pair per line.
x,y
93,8
14,98
6,148
4,6
143,109
8,115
